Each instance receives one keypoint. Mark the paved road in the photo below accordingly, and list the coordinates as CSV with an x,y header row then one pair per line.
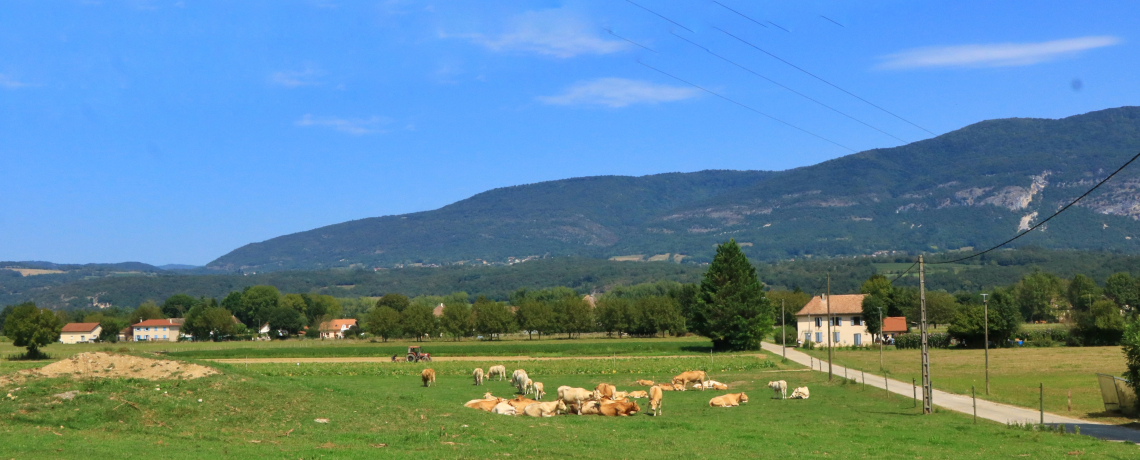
x,y
1002,413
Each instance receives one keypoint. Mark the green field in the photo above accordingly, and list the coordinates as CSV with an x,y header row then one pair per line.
x,y
1015,374
382,410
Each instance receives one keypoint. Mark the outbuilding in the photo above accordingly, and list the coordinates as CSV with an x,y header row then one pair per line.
x,y
80,333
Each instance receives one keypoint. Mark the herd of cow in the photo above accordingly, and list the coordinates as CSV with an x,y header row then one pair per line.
x,y
605,399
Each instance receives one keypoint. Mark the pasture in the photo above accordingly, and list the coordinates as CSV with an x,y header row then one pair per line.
x,y
1015,373
382,409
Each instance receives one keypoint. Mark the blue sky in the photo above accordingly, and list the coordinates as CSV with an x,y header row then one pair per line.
x,y
174,132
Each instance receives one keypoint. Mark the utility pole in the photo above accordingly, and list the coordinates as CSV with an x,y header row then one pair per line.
x,y
880,339
783,331
926,390
830,341
986,312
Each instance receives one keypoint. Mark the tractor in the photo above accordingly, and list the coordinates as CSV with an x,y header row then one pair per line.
x,y
416,355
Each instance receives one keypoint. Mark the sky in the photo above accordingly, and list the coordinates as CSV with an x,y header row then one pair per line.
x,y
174,132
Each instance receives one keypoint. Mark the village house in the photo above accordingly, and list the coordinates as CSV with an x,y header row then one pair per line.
x,y
894,325
80,333
157,330
846,318
335,329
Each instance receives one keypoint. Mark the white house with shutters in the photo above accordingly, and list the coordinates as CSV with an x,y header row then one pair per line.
x,y
846,318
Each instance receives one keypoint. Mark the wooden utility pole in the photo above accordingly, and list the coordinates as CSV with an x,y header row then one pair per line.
x,y
783,331
986,313
830,342
927,404
880,339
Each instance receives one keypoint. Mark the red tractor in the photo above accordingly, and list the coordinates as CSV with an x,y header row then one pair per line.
x,y
416,355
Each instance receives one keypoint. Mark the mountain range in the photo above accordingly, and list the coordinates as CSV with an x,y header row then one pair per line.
x,y
972,187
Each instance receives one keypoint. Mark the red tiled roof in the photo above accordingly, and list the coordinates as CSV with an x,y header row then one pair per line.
x,y
169,322
894,324
79,327
843,304
437,311
337,325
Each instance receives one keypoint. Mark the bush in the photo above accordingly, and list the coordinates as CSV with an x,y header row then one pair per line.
x,y
1046,337
914,340
789,335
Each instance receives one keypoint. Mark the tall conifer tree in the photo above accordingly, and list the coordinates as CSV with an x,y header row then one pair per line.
x,y
731,308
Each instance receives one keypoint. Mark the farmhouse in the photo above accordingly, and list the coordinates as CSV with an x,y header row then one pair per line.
x,y
157,330
847,326
335,329
894,325
80,333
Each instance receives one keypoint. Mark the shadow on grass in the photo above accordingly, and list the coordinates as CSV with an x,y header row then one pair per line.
x,y
30,355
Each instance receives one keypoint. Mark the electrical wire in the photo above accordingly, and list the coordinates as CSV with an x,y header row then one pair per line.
x,y
611,32
741,14
774,82
1019,235
744,106
905,272
660,16
833,85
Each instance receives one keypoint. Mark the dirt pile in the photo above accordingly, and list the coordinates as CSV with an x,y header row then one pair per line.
x,y
106,365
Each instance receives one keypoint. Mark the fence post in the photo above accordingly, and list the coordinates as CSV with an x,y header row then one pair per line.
x,y
974,396
1070,399
914,392
1041,399
864,378
887,386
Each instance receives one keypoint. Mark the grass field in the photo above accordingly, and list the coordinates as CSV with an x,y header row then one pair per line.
x,y
1015,373
261,411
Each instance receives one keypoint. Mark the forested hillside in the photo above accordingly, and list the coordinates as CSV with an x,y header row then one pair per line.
x,y
969,188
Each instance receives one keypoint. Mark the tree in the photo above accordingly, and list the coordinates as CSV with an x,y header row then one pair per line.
x,y
294,301
397,302
148,310
613,314
208,321
257,304
234,303
1121,288
32,328
940,307
1037,296
1130,343
1082,292
657,314
874,307
969,324
1103,324
383,321
177,305
418,320
456,320
110,327
287,320
493,318
535,316
732,309
574,315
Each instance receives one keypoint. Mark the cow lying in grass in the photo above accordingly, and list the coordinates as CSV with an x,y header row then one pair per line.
x,y
645,383
576,396
546,409
729,400
504,408
618,408
711,385
604,390
487,403
780,388
669,387
520,402
637,394
800,393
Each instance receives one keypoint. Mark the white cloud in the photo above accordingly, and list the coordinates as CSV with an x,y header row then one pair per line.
x,y
619,92
554,32
994,54
11,83
356,126
293,78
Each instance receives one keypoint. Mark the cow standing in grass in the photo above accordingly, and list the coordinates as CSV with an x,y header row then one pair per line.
x,y
655,400
499,370
428,376
780,388
478,375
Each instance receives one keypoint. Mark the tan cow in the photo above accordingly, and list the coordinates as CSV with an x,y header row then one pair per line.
x,y
685,378
620,395
604,390
638,394
587,408
546,409
528,387
780,388
499,370
618,408
539,392
487,403
520,402
504,408
575,395
710,384
478,375
800,393
428,375
729,400
645,383
655,400
670,387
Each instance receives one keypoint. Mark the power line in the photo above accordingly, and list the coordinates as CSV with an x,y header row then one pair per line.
x,y
1019,235
833,109
904,272
660,16
744,106
741,14
833,85
611,32
833,21
777,25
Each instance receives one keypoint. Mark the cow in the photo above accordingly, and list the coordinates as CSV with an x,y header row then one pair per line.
x,y
620,395
587,408
487,403
685,378
499,370
546,409
528,387
428,376
539,392
669,387
478,375
800,393
504,408
604,390
518,380
638,394
618,408
729,400
780,388
575,395
520,402
645,383
655,400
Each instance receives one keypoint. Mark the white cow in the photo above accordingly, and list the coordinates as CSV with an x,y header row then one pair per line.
x,y
504,408
518,380
800,393
780,388
499,370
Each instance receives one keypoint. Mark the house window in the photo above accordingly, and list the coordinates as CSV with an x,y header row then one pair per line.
x,y
858,339
818,337
819,323
836,337
856,321
836,321
82,337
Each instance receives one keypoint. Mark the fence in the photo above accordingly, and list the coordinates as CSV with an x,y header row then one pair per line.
x,y
1117,395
